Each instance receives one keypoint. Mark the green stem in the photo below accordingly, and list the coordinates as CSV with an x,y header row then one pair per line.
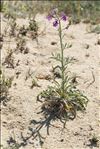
x,y
62,58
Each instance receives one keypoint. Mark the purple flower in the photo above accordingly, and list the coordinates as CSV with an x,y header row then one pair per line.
x,y
55,23
63,16
49,17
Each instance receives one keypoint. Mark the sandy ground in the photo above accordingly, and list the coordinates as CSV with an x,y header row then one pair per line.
x,y
22,108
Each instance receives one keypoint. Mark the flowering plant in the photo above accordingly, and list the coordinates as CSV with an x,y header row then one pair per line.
x,y
57,17
64,99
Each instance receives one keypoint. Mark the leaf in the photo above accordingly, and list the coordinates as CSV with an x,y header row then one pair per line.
x,y
57,57
69,45
54,68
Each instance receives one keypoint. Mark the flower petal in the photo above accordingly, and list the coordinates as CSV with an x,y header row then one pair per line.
x,y
49,17
63,16
55,23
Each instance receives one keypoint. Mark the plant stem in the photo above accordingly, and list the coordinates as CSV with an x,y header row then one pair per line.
x,y
62,58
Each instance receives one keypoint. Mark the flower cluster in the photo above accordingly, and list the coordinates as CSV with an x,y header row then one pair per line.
x,y
54,14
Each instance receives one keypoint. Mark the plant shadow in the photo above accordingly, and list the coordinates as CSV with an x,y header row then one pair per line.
x,y
34,128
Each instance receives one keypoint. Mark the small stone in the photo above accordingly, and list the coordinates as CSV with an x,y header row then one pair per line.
x,y
98,42
26,51
53,43
87,55
17,74
86,46
90,127
61,140
14,84
17,64
4,122
1,38
76,133
20,114
81,128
